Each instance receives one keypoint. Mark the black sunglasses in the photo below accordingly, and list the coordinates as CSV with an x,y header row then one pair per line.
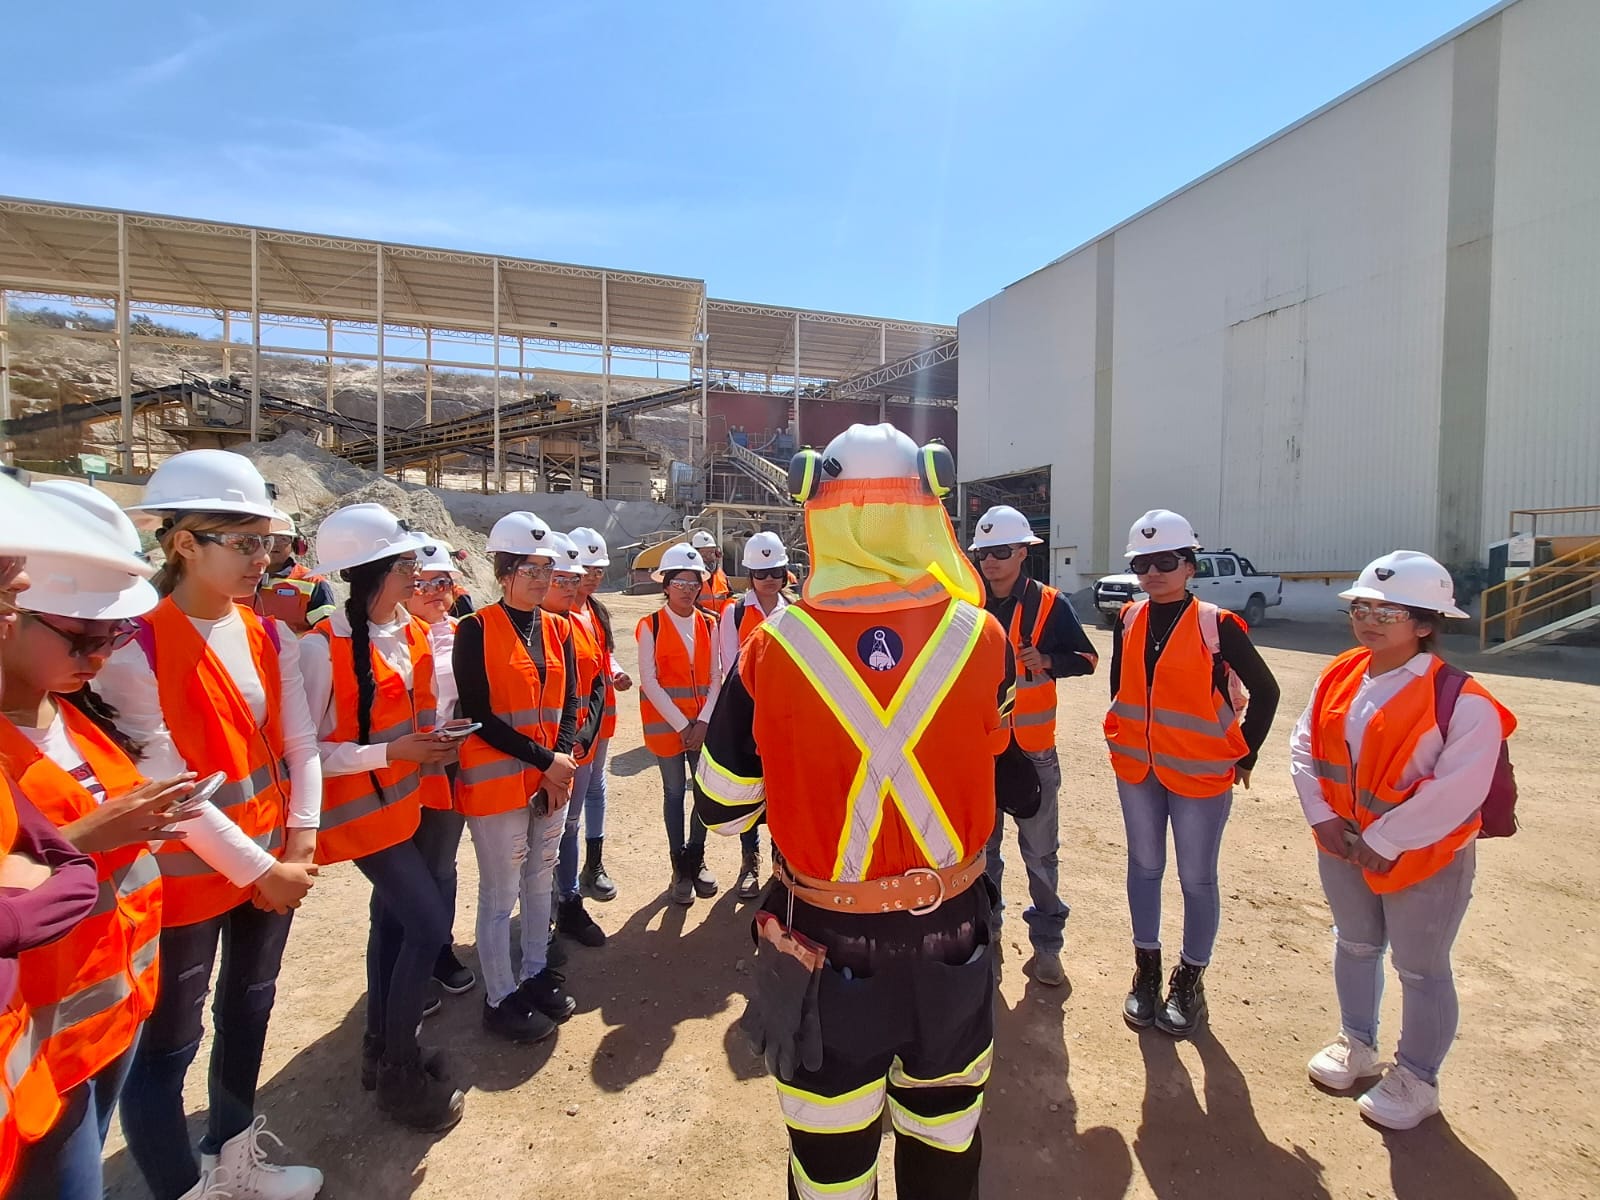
x,y
1165,562
769,572
92,645
1000,552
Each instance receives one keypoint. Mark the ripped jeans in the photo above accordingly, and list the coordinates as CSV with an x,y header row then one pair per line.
x,y
516,861
1419,924
252,944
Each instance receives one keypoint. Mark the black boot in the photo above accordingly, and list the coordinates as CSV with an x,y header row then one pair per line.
x,y
1181,1015
371,1055
682,879
700,876
412,1095
593,880
1139,1009
451,975
749,886
574,922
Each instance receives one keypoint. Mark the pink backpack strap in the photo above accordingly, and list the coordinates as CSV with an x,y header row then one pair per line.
x,y
144,633
1209,616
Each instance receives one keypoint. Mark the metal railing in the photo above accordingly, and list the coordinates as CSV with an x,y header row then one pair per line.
x,y
1545,594
1581,515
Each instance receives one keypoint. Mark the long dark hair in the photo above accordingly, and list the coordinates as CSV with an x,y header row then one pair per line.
x,y
1427,643
604,613
88,702
365,582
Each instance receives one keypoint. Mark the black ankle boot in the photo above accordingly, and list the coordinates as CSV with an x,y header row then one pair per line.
x,y
1139,1009
593,880
1185,1007
412,1095
371,1054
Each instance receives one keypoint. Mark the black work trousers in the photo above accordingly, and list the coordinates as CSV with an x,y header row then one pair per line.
x,y
907,1012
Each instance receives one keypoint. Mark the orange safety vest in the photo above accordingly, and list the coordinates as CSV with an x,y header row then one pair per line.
x,y
1387,746
1033,716
872,758
30,1102
716,595
588,617
748,616
287,598
443,798
590,656
490,782
369,811
1180,726
90,990
686,683
214,730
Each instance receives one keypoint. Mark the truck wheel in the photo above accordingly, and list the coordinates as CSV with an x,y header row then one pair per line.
x,y
1255,610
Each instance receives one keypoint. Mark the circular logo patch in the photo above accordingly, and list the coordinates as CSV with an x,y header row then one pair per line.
x,y
880,648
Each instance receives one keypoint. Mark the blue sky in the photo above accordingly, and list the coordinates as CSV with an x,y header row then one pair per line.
x,y
902,158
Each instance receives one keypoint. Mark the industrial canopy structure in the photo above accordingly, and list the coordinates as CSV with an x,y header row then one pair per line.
x,y
236,273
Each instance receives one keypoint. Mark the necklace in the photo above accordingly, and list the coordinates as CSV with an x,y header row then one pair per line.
x,y
1161,641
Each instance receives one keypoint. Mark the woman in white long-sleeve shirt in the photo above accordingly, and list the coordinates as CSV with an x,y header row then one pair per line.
x,y
206,687
1394,802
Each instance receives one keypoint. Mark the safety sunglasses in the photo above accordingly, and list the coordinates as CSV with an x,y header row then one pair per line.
x,y
685,585
595,572
438,583
566,579
92,644
769,572
247,545
1379,614
1165,562
405,567
282,543
535,571
1000,552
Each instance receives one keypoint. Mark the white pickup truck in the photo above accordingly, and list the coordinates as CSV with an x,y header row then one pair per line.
x,y
1226,579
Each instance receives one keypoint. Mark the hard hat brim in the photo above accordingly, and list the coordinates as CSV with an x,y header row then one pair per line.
x,y
1366,593
412,541
242,507
138,598
761,566
985,543
660,574
35,527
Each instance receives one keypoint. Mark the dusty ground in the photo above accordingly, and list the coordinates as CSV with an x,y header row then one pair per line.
x,y
647,1092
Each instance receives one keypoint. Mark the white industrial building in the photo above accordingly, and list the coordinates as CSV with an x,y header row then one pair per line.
x,y
1379,328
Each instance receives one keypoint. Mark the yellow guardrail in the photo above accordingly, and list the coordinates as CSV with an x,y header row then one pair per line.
x,y
1544,589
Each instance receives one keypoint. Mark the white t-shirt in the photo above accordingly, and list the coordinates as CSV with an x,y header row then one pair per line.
x,y
389,640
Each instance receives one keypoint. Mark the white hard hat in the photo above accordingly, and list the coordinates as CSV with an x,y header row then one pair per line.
x,y
36,530
1407,577
521,533
64,588
870,452
703,540
765,549
1161,529
364,533
592,550
282,522
437,558
680,557
212,481
569,560
1003,525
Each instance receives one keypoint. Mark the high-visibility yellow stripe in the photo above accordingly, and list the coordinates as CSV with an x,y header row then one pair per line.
x,y
726,788
974,1074
952,1131
862,1187
810,1112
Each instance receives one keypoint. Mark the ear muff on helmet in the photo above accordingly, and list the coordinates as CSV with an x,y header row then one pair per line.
x,y
937,468
805,474
300,546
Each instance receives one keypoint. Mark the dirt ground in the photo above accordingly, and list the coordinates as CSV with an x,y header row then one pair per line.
x,y
649,1091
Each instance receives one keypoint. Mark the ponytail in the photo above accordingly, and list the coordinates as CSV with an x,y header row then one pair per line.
x,y
365,581
88,702
604,613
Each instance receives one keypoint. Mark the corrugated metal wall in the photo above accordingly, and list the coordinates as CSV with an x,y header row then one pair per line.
x,y
1276,331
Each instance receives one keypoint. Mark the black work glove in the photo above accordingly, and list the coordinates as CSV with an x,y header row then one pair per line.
x,y
784,1017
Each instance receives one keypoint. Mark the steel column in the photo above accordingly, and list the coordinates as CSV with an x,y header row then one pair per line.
x,y
255,339
883,357
797,380
227,343
327,399
427,377
124,366
499,466
5,369
605,385
379,262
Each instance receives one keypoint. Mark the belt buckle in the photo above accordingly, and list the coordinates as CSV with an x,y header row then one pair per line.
x,y
925,909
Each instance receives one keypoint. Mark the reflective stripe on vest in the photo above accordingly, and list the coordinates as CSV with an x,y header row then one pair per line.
x,y
213,728
685,680
1033,712
885,735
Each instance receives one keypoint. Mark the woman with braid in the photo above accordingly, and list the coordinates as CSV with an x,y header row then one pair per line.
x,y
370,683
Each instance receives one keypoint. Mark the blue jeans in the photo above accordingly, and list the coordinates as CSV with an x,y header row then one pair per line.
x,y
409,925
65,1163
1147,807
1419,924
588,803
674,787
1039,840
252,944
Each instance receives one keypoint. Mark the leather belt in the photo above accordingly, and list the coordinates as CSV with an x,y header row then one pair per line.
x,y
919,891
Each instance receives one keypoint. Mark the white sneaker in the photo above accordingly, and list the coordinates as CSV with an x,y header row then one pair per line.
x,y
248,1175
212,1186
1340,1064
1400,1101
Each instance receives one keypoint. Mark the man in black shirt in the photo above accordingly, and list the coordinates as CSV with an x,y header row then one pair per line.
x,y
1049,644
